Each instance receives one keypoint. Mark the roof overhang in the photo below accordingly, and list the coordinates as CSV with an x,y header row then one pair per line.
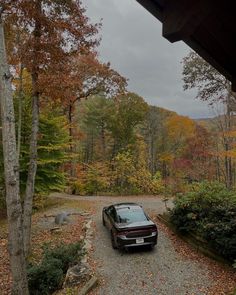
x,y
207,26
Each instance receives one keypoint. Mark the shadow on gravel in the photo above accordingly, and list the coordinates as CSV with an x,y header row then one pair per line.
x,y
135,250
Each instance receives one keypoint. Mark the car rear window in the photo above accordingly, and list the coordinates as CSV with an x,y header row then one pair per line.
x,y
126,215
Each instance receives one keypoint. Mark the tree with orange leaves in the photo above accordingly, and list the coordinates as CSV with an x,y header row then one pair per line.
x,y
44,36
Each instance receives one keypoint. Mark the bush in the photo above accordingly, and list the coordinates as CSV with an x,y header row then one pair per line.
x,y
47,276
208,210
78,188
67,254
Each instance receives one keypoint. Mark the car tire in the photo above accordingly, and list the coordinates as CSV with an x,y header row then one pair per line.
x,y
113,243
151,247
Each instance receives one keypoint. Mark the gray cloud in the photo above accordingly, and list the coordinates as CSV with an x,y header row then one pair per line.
x,y
132,42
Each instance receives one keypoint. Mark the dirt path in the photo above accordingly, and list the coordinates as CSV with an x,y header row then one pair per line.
x,y
163,271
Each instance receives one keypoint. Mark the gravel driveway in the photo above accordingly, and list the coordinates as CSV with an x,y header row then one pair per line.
x,y
163,271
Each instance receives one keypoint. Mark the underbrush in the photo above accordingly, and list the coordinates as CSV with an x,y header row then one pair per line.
x,y
208,210
47,276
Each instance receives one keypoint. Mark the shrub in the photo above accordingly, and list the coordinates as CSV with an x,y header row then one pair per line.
x,y
67,254
208,210
78,188
47,276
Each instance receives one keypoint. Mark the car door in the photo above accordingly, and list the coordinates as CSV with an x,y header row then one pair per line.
x,y
106,216
111,216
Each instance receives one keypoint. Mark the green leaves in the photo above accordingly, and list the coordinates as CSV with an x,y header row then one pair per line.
x,y
53,145
210,211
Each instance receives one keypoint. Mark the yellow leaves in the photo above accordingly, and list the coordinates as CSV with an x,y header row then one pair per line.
x,y
229,134
26,82
180,127
229,154
166,157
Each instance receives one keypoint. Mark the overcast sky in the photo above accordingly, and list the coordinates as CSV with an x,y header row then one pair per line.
x,y
132,42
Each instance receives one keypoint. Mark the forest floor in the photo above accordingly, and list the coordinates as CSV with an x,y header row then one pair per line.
x,y
42,223
172,268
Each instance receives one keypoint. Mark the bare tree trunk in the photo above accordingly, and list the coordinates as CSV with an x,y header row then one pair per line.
x,y
103,138
11,169
20,97
32,169
29,193
228,162
71,143
70,114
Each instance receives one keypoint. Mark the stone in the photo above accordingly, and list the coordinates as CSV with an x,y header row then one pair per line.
x,y
85,214
84,259
87,245
56,230
88,224
76,275
62,218
92,283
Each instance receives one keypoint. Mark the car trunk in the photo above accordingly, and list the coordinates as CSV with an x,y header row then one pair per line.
x,y
136,229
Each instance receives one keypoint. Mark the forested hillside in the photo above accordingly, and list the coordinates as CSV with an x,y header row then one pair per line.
x,y
116,145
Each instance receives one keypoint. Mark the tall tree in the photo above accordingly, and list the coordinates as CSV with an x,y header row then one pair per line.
x,y
94,115
154,133
212,87
55,31
89,77
11,168
129,111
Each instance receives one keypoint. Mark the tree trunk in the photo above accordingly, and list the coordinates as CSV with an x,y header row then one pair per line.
x,y
29,193
70,114
11,171
73,173
32,169
20,97
228,162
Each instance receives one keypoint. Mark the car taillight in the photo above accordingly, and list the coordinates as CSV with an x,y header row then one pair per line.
x,y
154,231
121,234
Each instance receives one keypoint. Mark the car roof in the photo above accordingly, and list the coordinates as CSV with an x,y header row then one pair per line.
x,y
127,205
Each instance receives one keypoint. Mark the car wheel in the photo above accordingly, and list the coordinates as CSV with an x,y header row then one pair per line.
x,y
151,247
113,243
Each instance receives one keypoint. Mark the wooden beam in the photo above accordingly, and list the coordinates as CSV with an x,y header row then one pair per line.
x,y
182,18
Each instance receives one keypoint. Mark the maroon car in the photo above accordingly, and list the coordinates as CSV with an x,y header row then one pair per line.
x,y
129,226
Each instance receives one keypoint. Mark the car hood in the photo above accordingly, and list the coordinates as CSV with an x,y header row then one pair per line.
x,y
145,223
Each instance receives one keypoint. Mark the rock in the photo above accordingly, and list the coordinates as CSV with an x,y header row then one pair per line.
x,y
56,230
88,224
87,246
62,218
77,274
89,286
85,214
84,259
89,233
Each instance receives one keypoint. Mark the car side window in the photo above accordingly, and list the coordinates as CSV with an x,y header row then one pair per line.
x,y
112,213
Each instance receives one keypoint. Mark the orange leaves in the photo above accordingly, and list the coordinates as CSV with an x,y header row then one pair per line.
x,y
47,34
180,127
166,157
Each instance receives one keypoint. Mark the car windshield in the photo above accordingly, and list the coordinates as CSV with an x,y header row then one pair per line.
x,y
127,215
